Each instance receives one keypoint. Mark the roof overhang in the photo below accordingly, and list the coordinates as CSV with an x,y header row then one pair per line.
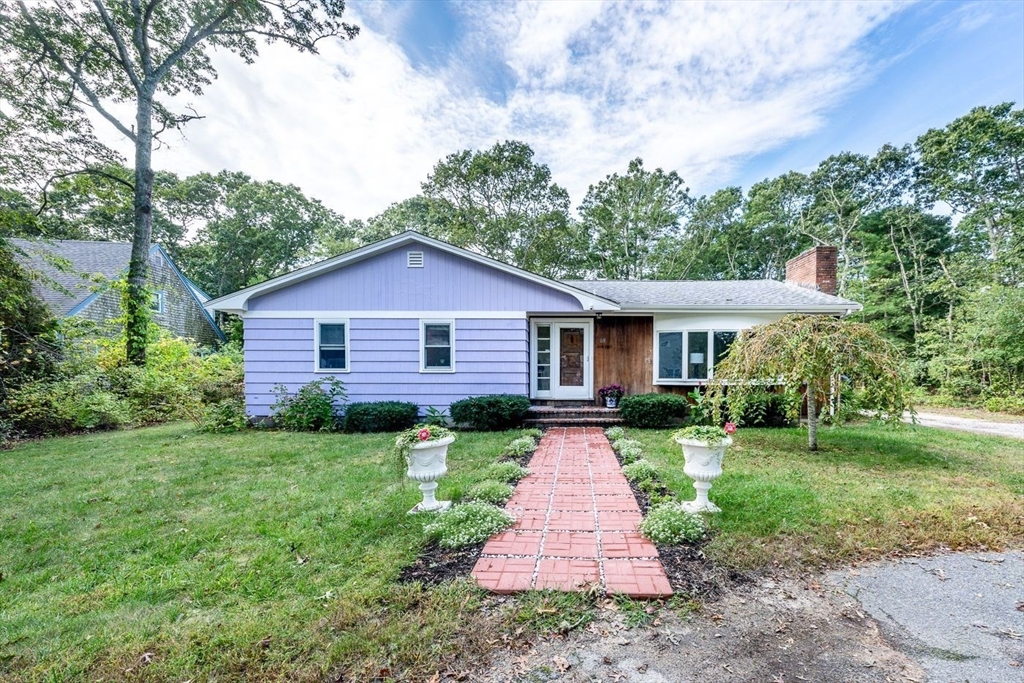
x,y
238,302
830,309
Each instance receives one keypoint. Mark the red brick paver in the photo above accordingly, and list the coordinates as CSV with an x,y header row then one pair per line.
x,y
575,525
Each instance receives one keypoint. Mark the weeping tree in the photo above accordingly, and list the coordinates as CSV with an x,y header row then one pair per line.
x,y
129,63
815,355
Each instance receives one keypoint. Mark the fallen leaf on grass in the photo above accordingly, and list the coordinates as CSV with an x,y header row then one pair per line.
x,y
561,663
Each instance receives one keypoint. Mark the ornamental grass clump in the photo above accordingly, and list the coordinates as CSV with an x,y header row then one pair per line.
x,y
468,524
521,446
506,471
640,471
615,433
670,524
493,492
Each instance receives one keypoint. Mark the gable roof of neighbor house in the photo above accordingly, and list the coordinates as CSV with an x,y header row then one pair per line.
x,y
595,295
68,291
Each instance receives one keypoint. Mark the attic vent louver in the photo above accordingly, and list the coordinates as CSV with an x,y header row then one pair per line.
x,y
415,259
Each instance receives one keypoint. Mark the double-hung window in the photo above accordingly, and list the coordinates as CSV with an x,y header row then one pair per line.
x,y
158,301
437,346
332,346
690,355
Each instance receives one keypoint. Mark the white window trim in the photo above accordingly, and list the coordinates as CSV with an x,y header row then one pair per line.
x,y
534,391
709,355
161,302
423,347
317,322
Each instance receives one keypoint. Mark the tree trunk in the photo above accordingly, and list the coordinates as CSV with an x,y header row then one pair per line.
x,y
812,419
136,304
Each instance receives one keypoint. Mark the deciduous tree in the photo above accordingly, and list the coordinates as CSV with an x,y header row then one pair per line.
x,y
61,58
814,353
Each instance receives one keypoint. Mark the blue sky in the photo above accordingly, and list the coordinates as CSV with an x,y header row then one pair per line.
x,y
724,93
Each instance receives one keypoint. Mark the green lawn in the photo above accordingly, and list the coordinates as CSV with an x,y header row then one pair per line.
x,y
196,548
165,554
869,492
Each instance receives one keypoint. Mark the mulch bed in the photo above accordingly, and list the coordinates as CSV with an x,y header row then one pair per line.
x,y
436,564
690,572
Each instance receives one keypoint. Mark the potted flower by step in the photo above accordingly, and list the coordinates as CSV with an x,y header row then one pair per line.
x,y
703,450
425,451
611,395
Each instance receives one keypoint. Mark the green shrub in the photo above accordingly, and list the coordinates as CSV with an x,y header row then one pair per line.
x,y
630,454
61,406
652,410
380,416
639,471
670,524
619,444
521,446
226,416
762,409
1006,404
490,413
493,492
615,433
533,432
312,409
467,524
506,471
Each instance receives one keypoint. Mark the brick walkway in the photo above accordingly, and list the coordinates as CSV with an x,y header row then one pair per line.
x,y
575,525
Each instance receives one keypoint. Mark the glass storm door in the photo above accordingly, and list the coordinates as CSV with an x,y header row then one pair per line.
x,y
562,360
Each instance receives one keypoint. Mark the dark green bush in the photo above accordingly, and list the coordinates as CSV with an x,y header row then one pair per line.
x,y
493,413
380,416
313,408
652,410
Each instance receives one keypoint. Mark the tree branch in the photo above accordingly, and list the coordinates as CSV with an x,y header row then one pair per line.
x,y
122,49
85,171
75,76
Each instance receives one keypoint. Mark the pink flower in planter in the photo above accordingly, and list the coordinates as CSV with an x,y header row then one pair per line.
x,y
730,428
423,434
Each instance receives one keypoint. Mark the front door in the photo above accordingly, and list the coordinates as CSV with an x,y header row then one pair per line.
x,y
562,359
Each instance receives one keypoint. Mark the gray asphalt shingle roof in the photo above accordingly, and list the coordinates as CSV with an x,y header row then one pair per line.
x,y
708,293
87,258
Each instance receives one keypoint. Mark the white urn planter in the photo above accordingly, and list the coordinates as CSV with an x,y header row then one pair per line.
x,y
703,465
428,462
611,402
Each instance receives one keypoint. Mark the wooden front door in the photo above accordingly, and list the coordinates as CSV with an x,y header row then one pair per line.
x,y
562,364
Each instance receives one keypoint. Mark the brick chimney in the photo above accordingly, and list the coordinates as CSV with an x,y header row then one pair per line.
x,y
814,269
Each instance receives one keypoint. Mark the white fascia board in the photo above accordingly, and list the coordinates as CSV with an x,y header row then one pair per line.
x,y
841,309
238,302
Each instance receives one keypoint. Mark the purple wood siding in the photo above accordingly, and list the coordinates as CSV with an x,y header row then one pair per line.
x,y
446,282
491,357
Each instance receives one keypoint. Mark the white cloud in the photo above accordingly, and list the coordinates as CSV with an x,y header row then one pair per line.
x,y
693,87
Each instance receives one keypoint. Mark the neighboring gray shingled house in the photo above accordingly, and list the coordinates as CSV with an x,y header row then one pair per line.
x,y
83,290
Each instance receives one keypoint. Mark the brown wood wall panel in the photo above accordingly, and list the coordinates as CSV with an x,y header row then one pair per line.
x,y
623,353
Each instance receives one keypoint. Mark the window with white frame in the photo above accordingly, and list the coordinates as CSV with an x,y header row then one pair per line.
x,y
158,301
332,346
691,355
437,346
